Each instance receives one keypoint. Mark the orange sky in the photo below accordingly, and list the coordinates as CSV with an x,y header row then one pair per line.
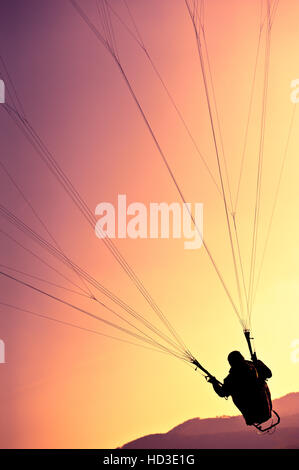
x,y
67,388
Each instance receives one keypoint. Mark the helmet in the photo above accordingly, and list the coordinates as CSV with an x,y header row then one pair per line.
x,y
235,358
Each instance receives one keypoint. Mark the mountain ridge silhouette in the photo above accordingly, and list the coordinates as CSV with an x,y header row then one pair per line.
x,y
228,432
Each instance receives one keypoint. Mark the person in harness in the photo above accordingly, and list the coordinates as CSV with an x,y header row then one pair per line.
x,y
246,384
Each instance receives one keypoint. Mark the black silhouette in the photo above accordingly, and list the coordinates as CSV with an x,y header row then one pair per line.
x,y
246,384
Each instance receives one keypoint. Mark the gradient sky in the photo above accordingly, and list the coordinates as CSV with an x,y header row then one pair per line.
x,y
62,387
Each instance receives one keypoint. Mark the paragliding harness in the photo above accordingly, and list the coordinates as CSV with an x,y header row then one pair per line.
x,y
272,412
269,411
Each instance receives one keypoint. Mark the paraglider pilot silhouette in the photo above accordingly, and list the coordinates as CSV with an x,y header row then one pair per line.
x,y
246,384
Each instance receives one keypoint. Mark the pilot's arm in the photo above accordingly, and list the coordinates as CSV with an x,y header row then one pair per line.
x,y
263,371
223,390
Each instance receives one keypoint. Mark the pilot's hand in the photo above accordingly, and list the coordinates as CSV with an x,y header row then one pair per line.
x,y
211,379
